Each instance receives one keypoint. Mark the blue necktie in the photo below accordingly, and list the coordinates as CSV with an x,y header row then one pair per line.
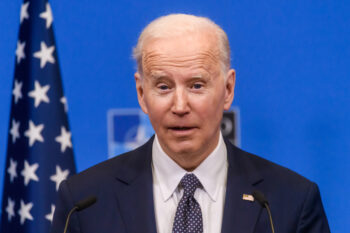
x,y
188,218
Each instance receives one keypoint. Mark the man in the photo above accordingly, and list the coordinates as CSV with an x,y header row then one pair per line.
x,y
187,178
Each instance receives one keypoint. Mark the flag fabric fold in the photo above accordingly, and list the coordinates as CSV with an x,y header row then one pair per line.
x,y
39,148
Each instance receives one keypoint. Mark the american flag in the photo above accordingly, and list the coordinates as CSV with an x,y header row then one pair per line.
x,y
39,149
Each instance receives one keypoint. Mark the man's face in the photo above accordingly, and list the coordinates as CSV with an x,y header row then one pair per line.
x,y
184,93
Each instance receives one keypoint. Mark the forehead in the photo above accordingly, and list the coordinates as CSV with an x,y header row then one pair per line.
x,y
194,50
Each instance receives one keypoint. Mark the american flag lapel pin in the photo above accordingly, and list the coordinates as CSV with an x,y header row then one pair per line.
x,y
247,197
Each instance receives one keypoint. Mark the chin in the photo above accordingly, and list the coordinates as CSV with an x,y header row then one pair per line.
x,y
187,147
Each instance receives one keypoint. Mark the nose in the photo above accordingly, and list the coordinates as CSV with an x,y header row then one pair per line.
x,y
180,105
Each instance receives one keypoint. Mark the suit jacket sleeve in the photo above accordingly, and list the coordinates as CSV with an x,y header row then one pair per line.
x,y
64,204
313,218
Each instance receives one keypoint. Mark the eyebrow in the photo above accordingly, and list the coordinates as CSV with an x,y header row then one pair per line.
x,y
199,76
156,76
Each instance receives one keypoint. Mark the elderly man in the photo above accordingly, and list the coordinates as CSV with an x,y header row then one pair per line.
x,y
187,178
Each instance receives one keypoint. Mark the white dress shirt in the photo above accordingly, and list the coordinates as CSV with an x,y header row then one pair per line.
x,y
212,173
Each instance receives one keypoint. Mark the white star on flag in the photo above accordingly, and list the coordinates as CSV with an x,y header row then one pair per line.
x,y
39,94
20,51
14,131
24,12
10,209
64,139
45,54
63,100
24,211
29,172
11,170
47,15
17,93
59,176
49,216
34,133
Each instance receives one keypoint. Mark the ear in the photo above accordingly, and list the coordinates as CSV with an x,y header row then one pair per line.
x,y
229,88
140,92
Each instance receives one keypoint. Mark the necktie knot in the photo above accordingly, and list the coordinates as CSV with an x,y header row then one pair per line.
x,y
190,183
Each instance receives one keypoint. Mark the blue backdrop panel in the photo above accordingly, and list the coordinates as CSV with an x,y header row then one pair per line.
x,y
293,83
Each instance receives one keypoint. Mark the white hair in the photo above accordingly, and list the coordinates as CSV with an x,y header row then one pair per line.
x,y
177,25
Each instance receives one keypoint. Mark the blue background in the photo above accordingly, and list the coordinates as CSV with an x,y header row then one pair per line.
x,y
292,60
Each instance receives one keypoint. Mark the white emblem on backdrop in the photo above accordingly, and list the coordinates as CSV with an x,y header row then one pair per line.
x,y
127,129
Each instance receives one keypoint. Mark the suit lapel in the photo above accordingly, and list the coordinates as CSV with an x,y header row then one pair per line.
x,y
240,215
134,191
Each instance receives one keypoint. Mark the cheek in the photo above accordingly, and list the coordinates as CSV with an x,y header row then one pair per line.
x,y
210,102
157,106
209,108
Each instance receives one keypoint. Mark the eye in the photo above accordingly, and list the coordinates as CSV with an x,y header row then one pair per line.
x,y
163,87
197,86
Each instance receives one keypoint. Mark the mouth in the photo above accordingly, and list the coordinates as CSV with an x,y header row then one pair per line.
x,y
181,131
180,128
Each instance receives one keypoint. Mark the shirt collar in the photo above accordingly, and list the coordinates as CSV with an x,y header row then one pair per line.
x,y
211,172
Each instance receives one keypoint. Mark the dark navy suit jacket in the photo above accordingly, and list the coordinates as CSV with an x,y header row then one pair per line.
x,y
123,187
